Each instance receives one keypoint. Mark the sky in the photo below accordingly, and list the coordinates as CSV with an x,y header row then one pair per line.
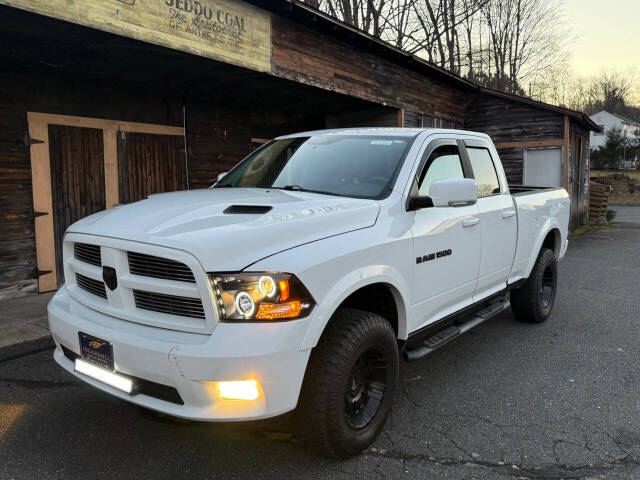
x,y
608,35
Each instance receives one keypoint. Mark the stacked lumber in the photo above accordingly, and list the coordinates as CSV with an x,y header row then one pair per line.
x,y
598,202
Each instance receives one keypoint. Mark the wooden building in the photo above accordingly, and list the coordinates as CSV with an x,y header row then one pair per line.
x,y
106,101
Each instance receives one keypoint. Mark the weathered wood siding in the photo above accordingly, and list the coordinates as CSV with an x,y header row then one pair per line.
x,y
311,58
512,162
51,91
509,121
578,172
17,237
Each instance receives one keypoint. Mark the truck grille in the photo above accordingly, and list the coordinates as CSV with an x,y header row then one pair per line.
x,y
87,253
90,285
171,304
150,266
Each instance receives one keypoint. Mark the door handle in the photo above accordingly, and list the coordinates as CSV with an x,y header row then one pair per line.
x,y
470,222
508,213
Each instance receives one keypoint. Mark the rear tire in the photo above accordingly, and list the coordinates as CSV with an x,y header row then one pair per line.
x,y
349,384
533,300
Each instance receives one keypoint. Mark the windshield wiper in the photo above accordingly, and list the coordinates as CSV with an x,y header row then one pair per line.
x,y
298,188
223,185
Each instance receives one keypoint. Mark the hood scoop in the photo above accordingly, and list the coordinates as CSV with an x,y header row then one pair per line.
x,y
247,209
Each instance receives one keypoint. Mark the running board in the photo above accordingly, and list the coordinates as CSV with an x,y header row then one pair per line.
x,y
443,337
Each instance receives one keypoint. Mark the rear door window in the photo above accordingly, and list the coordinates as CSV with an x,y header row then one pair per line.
x,y
484,171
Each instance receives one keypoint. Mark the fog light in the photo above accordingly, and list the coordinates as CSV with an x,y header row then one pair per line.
x,y
238,390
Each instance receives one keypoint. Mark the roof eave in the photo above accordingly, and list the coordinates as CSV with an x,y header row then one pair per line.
x,y
281,7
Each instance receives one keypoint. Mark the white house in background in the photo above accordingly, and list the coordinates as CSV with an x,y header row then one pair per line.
x,y
608,121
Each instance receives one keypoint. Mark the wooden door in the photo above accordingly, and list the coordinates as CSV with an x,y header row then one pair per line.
x,y
150,163
77,179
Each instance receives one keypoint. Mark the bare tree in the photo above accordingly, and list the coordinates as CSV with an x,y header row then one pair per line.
x,y
499,43
367,15
612,90
400,26
524,40
314,3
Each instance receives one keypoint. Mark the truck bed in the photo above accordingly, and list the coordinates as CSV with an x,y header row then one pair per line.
x,y
538,208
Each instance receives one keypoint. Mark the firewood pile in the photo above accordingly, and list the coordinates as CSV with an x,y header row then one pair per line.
x,y
598,202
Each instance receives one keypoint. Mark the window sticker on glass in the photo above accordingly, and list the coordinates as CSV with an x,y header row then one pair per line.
x,y
381,142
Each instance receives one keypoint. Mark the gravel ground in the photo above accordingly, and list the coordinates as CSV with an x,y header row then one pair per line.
x,y
508,400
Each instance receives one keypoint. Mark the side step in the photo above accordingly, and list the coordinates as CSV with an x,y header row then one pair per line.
x,y
443,337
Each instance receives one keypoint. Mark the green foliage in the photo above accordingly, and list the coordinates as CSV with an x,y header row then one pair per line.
x,y
615,148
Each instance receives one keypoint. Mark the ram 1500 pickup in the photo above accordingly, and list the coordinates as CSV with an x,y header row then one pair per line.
x,y
302,277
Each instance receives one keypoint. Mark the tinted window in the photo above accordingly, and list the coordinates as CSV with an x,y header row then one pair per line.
x,y
484,171
443,163
347,165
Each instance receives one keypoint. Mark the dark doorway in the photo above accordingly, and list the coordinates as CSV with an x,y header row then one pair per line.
x,y
77,179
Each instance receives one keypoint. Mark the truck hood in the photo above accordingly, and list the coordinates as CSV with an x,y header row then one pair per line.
x,y
195,221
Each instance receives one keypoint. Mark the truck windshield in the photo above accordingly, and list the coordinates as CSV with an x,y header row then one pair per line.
x,y
344,165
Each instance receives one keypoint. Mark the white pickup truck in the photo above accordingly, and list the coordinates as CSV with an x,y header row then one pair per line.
x,y
301,278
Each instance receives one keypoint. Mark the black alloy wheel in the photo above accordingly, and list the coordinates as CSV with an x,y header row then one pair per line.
x,y
365,388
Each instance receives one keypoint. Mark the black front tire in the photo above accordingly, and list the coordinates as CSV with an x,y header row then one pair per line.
x,y
349,384
534,299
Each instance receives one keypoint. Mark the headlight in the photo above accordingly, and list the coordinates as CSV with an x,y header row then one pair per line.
x,y
260,296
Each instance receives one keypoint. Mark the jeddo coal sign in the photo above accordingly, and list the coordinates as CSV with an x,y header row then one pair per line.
x,y
227,30
226,22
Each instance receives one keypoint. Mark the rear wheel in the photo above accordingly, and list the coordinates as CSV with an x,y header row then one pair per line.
x,y
534,299
349,385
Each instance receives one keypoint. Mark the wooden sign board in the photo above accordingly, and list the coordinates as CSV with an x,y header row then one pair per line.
x,y
227,30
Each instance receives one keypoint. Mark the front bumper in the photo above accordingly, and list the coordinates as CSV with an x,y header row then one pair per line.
x,y
189,362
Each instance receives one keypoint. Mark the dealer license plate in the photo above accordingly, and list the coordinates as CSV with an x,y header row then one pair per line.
x,y
96,351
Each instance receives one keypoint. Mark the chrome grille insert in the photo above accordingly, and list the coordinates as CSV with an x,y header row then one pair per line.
x,y
87,253
171,304
157,267
90,285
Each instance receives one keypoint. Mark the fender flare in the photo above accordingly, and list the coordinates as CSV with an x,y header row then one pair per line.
x,y
550,224
347,285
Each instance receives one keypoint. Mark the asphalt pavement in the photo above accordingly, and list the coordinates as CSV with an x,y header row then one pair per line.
x,y
626,213
507,400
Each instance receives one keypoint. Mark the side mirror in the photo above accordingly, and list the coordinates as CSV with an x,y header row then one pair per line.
x,y
221,176
454,192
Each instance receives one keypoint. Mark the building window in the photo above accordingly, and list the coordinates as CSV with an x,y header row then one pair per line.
x,y
434,122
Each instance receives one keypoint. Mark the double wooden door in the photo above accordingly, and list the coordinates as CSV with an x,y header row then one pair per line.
x,y
82,165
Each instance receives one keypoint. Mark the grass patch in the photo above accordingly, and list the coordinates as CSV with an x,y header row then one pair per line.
x,y
582,229
603,173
